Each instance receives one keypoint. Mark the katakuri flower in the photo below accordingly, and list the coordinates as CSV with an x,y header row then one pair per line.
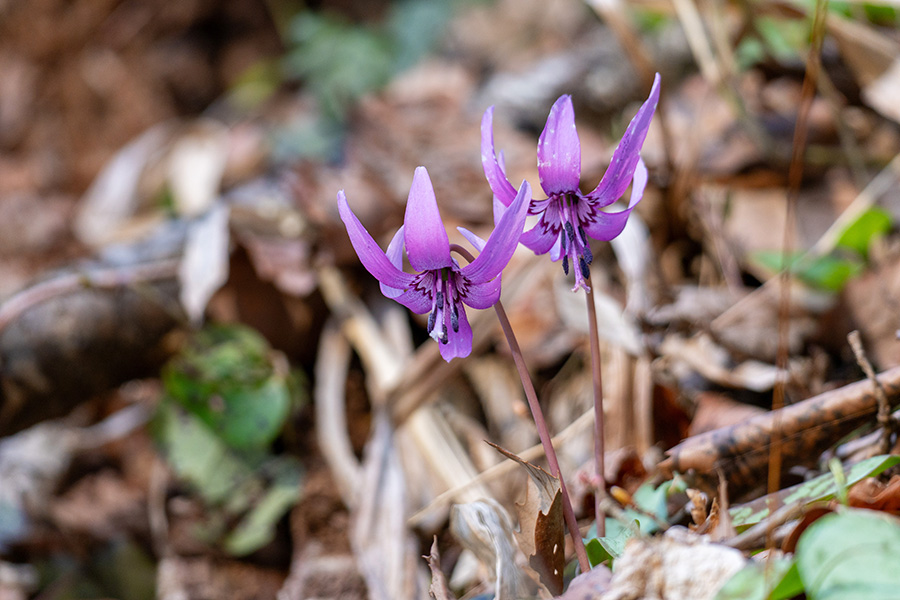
x,y
440,287
567,218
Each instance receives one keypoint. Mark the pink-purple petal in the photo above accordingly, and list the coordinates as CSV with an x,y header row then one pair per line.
x,y
606,226
540,238
415,300
483,295
559,150
499,209
638,184
556,249
395,255
621,168
493,168
472,238
370,254
459,343
427,244
503,240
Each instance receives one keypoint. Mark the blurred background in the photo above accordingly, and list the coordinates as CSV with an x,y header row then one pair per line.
x,y
204,395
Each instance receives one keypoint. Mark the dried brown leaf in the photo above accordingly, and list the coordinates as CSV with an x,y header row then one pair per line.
x,y
873,494
439,589
204,266
484,528
679,565
590,585
541,526
810,516
698,501
715,410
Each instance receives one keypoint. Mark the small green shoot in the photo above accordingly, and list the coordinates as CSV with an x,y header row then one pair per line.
x,y
840,481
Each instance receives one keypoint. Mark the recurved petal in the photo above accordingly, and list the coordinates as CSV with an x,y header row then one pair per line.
x,y
483,295
540,238
638,183
556,249
605,226
472,238
559,150
459,343
427,244
503,240
621,168
370,254
415,300
395,255
493,168
499,209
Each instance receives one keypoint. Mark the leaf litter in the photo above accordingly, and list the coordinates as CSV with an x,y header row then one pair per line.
x,y
258,494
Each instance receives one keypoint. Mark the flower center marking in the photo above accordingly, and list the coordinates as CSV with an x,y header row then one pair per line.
x,y
573,240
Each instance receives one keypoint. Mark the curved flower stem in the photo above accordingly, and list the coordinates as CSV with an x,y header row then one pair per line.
x,y
599,443
544,434
540,422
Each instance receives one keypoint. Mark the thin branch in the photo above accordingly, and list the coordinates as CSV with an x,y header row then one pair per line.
x,y
884,407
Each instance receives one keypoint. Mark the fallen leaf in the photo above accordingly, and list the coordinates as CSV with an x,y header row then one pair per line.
x,y
204,267
439,589
484,528
812,514
195,167
677,566
541,532
113,197
873,494
715,410
590,585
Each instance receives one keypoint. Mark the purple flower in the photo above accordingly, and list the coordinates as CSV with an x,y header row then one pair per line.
x,y
440,287
568,217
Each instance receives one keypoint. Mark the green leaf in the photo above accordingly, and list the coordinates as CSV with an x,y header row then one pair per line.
x,y
651,500
784,39
252,418
198,455
823,487
774,580
258,527
851,555
232,482
226,378
609,548
414,27
338,61
825,272
868,226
